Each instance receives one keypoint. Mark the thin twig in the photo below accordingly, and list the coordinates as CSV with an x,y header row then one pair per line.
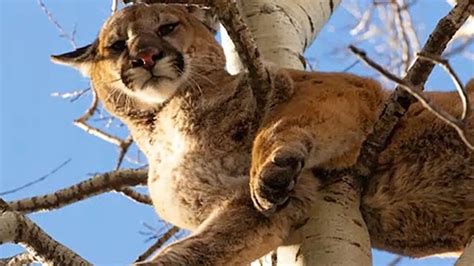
x,y
355,63
56,169
416,92
459,48
400,100
91,110
363,23
98,133
114,6
70,37
135,196
457,82
81,123
123,149
158,244
72,96
408,26
395,261
403,38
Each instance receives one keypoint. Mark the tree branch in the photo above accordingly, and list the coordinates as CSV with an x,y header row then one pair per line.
x,y
260,79
467,257
457,82
17,228
417,75
24,258
70,37
135,196
158,244
114,6
458,125
36,180
94,186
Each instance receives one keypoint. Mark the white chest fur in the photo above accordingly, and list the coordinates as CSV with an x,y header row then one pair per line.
x,y
164,173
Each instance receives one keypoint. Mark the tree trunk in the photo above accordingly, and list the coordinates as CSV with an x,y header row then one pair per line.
x,y
467,257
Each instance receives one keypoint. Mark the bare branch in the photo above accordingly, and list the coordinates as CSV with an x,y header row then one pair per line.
x,y
408,26
114,6
467,257
91,110
17,228
135,196
94,186
98,133
24,258
70,37
400,29
457,82
416,92
36,180
355,63
363,23
417,75
459,48
395,261
123,149
260,80
128,192
158,244
81,122
72,96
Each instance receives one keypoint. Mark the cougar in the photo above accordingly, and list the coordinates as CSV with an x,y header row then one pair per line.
x,y
161,71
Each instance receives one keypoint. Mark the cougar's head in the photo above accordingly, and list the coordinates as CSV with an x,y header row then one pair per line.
x,y
148,52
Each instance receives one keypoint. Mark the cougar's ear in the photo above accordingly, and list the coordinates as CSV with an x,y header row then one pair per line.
x,y
206,15
80,59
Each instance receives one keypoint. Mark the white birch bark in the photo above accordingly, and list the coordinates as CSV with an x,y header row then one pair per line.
x,y
284,29
336,233
16,228
467,257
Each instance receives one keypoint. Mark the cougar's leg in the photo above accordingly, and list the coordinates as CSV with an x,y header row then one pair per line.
x,y
237,233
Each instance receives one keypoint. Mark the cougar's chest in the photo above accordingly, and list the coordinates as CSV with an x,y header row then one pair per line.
x,y
188,176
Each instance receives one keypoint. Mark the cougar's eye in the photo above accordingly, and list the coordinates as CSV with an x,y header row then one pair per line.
x,y
118,46
166,29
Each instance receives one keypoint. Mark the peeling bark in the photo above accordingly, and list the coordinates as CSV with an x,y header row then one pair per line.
x,y
16,228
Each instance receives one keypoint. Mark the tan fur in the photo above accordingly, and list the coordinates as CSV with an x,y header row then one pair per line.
x,y
197,129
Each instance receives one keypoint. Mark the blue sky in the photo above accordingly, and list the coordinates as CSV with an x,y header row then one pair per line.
x,y
37,134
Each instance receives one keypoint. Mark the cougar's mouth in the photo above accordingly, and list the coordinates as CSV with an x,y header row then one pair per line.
x,y
169,69
155,84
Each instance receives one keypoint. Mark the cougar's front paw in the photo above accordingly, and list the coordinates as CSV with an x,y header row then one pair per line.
x,y
271,186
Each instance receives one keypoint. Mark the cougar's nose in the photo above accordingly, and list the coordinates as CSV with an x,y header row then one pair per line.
x,y
147,58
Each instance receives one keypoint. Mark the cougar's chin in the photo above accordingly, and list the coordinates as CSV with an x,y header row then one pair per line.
x,y
158,89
